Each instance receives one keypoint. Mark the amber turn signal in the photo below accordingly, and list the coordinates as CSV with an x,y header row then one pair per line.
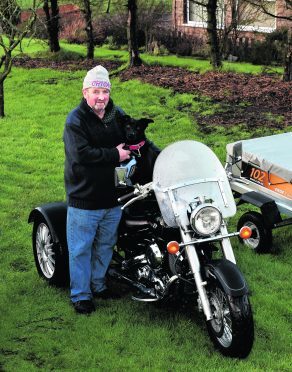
x,y
245,232
172,247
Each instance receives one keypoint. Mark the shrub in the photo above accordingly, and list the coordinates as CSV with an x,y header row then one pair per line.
x,y
279,40
179,43
271,50
74,32
40,31
111,43
260,53
157,50
116,31
267,52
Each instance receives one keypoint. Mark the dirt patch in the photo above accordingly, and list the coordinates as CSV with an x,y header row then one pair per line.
x,y
72,65
251,100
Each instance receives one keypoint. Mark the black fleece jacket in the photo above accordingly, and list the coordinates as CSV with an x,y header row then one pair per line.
x,y
91,156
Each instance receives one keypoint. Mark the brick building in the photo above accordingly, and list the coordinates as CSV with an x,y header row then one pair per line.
x,y
68,13
190,18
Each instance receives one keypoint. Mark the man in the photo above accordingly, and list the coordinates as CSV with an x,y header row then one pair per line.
x,y
93,148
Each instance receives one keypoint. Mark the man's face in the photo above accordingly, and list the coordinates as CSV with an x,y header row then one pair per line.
x,y
96,98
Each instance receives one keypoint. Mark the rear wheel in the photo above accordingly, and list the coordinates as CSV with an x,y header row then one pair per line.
x,y
261,238
231,328
50,260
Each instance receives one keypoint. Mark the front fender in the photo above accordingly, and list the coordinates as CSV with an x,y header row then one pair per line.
x,y
55,215
228,275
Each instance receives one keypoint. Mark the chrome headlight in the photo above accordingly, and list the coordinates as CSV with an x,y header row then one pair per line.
x,y
206,219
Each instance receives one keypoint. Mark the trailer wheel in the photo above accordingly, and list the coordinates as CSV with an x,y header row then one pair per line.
x,y
261,238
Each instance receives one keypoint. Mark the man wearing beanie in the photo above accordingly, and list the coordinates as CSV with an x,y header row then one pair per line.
x,y
93,148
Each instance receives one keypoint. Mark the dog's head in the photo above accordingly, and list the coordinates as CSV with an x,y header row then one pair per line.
x,y
134,129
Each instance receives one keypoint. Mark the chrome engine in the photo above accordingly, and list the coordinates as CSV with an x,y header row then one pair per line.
x,y
152,273
154,256
146,272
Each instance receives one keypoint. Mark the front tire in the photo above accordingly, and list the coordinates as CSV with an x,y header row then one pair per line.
x,y
261,238
51,261
231,329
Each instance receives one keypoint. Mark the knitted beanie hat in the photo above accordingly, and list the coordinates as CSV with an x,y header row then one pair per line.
x,y
97,77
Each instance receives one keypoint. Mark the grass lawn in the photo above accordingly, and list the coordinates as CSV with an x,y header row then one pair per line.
x,y
39,329
39,48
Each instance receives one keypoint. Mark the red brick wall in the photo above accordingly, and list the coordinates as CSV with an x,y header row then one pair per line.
x,y
178,21
65,11
281,10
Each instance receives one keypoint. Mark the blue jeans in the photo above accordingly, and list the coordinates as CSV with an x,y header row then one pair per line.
x,y
91,236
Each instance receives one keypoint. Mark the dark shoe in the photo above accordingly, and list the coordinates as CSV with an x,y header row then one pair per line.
x,y
84,307
106,294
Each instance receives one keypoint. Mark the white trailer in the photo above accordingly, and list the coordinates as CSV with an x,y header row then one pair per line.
x,y
260,173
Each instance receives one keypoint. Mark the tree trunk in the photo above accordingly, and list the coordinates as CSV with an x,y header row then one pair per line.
x,y
108,6
135,60
88,29
288,58
2,99
52,23
147,42
288,68
6,62
212,34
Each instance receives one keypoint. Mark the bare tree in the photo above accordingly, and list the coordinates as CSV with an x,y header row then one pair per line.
x,y
135,59
87,7
288,58
262,6
10,37
215,52
212,31
241,15
150,15
52,23
88,28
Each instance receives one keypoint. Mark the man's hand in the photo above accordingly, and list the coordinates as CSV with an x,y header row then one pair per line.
x,y
124,154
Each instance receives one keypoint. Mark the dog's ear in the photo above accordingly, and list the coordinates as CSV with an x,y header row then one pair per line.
x,y
145,122
123,119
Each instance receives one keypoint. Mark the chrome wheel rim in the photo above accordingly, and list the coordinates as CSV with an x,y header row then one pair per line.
x,y
254,240
44,250
221,322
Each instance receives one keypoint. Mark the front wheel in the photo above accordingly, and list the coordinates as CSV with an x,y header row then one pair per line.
x,y
51,261
231,329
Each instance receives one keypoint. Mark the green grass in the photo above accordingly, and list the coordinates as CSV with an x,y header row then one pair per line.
x,y
39,329
39,48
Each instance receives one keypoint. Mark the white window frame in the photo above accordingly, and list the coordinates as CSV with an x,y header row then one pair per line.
x,y
259,28
193,23
240,27
199,24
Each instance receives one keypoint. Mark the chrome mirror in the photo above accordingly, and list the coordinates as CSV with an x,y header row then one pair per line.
x,y
120,177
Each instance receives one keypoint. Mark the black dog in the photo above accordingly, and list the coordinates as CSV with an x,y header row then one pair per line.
x,y
145,152
134,129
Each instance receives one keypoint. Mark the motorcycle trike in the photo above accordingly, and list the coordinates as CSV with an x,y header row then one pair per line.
x,y
173,243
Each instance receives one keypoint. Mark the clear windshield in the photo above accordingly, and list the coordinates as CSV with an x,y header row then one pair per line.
x,y
187,170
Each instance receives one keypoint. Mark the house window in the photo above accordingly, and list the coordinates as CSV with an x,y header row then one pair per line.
x,y
196,15
252,18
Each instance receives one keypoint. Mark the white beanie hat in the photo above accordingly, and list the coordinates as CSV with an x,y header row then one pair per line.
x,y
97,77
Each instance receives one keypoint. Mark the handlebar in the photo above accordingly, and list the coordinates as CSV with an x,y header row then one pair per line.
x,y
140,191
123,198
